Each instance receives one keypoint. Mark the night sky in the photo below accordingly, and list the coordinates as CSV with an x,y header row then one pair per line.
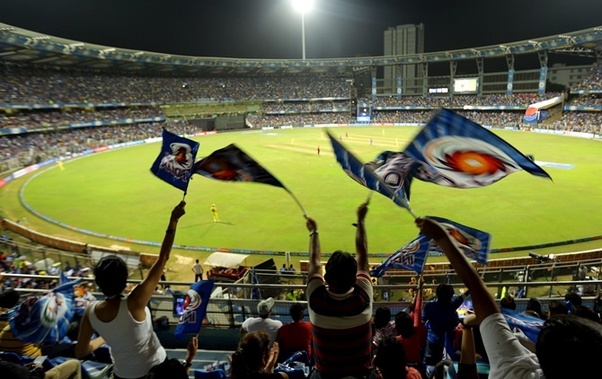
x,y
272,29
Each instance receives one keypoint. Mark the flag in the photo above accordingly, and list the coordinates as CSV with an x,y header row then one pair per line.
x,y
81,297
410,257
527,324
475,244
364,174
256,291
195,308
397,169
176,160
464,154
231,164
44,318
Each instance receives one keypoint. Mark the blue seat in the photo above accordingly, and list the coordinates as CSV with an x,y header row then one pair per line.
x,y
96,370
213,374
11,357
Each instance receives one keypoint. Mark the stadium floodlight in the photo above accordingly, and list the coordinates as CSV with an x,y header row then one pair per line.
x,y
303,7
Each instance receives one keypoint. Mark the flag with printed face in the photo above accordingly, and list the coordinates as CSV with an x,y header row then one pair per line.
x,y
195,308
364,174
44,318
475,244
231,164
410,257
396,169
461,153
176,159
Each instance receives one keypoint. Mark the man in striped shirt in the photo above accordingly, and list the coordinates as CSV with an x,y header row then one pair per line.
x,y
340,306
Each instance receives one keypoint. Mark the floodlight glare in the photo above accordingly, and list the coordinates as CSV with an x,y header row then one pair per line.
x,y
303,6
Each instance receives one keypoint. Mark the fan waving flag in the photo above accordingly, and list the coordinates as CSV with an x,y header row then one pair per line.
x,y
527,324
231,164
475,244
464,154
176,159
410,257
195,308
364,174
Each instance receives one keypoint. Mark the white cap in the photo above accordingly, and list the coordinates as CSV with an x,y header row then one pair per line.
x,y
265,306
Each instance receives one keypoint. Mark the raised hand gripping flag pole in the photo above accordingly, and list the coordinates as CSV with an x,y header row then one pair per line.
x,y
474,243
231,164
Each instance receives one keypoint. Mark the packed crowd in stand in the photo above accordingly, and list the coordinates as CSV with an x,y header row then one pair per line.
x,y
286,101
594,79
24,85
344,337
25,149
54,119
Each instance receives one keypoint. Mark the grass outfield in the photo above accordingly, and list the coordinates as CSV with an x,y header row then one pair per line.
x,y
114,193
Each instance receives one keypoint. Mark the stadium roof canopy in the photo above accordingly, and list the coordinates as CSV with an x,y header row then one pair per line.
x,y
22,46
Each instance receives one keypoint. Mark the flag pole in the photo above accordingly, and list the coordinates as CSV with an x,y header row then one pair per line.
x,y
369,196
297,201
412,212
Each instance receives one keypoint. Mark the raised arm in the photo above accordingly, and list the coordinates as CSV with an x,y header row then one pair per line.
x,y
144,291
193,346
418,304
361,242
484,304
315,252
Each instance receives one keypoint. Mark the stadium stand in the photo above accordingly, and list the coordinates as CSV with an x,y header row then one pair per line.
x,y
56,112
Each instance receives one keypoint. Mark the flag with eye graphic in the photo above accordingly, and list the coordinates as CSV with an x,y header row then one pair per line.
x,y
473,243
461,153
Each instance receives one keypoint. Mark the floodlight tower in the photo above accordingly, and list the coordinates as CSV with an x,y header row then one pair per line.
x,y
303,7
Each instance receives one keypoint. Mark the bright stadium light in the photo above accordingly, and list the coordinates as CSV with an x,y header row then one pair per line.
x,y
303,7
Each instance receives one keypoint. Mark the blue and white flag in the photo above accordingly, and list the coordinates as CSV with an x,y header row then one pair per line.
x,y
474,243
176,160
364,174
464,154
527,324
44,318
410,257
195,308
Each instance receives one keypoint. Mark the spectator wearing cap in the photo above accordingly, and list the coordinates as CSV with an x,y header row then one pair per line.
x,y
263,323
296,335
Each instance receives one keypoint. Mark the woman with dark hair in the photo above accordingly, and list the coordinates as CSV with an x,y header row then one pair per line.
x,y
390,362
254,359
124,323
533,308
382,325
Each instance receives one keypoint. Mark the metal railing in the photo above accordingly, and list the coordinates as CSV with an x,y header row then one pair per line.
x,y
234,303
